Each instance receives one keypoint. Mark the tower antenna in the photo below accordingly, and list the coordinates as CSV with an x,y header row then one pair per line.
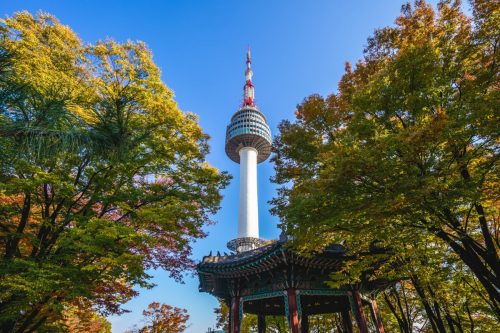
x,y
248,89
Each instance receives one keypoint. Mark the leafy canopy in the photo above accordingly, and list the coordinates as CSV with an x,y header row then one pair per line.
x,y
163,318
403,158
101,175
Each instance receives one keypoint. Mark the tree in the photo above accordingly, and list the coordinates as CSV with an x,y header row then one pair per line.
x,y
405,154
81,318
163,318
222,313
437,294
101,177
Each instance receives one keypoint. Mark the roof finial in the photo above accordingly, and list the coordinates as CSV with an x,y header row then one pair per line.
x,y
248,92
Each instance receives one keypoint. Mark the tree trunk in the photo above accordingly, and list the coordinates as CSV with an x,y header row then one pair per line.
x,y
402,325
477,268
13,242
436,327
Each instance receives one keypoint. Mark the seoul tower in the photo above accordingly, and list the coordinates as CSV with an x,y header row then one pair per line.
x,y
248,142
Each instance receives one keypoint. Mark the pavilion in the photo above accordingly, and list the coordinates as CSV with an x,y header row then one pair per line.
x,y
273,280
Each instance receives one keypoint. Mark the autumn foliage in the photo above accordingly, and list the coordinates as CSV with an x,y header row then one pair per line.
x,y
163,318
401,165
101,175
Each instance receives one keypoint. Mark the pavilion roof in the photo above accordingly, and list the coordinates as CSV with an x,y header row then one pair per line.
x,y
267,258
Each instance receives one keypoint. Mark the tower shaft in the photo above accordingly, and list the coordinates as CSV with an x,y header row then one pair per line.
x,y
248,217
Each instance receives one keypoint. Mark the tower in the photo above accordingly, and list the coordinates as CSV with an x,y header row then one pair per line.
x,y
272,279
248,142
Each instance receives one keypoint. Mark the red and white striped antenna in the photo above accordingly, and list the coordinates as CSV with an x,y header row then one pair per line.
x,y
248,90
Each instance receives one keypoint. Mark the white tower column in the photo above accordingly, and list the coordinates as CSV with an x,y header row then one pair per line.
x,y
248,218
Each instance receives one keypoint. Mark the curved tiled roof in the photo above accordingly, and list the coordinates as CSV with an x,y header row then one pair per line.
x,y
238,258
265,258
219,274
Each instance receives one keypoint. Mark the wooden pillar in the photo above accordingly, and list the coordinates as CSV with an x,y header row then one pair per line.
x,y
234,315
376,315
346,319
304,324
360,317
293,312
261,323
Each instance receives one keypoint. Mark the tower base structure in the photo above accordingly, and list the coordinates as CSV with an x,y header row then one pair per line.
x,y
243,244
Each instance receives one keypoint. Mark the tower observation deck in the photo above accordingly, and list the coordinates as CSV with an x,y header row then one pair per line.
x,y
248,142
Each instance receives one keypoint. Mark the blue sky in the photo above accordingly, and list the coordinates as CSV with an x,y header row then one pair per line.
x,y
298,48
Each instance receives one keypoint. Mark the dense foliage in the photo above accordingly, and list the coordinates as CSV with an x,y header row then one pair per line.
x,y
80,317
101,175
401,164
